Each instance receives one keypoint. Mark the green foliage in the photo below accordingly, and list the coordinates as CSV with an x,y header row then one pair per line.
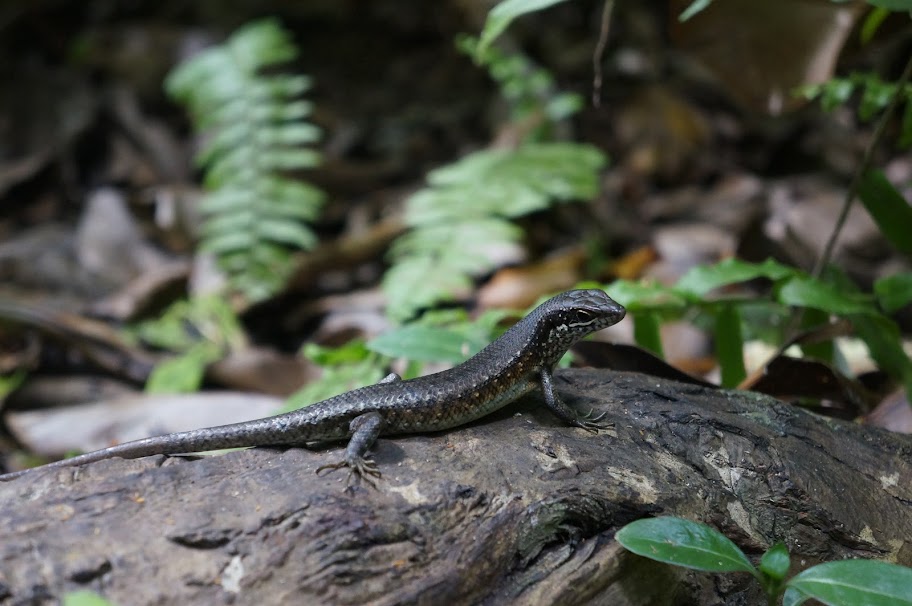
x,y
256,132
344,368
500,17
888,208
850,582
84,598
201,330
683,543
465,214
892,5
11,382
440,336
528,89
875,96
845,583
790,288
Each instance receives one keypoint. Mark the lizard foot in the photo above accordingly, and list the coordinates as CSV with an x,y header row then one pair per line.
x,y
591,423
359,469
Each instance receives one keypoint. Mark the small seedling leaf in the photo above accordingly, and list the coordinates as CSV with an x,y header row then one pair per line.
x,y
852,583
684,543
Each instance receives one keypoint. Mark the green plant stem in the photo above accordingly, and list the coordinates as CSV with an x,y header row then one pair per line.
x,y
852,191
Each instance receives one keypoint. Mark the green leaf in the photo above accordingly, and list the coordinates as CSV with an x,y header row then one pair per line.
x,y
894,292
695,7
286,232
872,23
11,382
775,562
852,582
888,208
427,344
875,98
349,353
417,283
503,14
813,319
684,543
183,373
730,344
704,278
809,292
646,296
84,598
646,332
892,5
882,337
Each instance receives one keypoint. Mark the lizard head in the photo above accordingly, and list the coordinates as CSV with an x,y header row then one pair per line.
x,y
565,319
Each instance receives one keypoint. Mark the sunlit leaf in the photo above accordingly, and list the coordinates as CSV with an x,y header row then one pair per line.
x,y
684,543
851,583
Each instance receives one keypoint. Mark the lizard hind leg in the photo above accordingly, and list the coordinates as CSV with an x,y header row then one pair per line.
x,y
365,429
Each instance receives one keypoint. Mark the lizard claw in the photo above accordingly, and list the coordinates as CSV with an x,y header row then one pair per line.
x,y
359,469
591,423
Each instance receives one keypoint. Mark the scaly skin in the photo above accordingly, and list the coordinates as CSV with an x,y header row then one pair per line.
x,y
515,364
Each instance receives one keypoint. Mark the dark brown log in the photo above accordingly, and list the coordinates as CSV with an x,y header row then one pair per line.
x,y
516,508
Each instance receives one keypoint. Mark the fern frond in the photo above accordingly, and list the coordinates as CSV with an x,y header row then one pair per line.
x,y
256,129
875,96
463,217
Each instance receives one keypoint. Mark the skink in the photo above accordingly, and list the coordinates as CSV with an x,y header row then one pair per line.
x,y
521,360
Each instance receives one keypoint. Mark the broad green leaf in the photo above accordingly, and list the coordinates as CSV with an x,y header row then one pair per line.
x,y
813,319
349,353
729,344
775,562
503,14
646,296
852,583
704,278
872,23
427,344
646,332
84,598
684,543
894,292
893,5
884,342
888,208
11,382
183,373
810,292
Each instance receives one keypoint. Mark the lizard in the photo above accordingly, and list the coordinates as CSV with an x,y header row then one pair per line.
x,y
518,362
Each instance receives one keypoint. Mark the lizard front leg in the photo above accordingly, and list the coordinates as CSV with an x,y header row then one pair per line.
x,y
564,412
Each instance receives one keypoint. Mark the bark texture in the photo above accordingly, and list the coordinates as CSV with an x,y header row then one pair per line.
x,y
516,508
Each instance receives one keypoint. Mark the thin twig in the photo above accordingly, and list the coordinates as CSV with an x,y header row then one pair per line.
x,y
597,55
852,191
